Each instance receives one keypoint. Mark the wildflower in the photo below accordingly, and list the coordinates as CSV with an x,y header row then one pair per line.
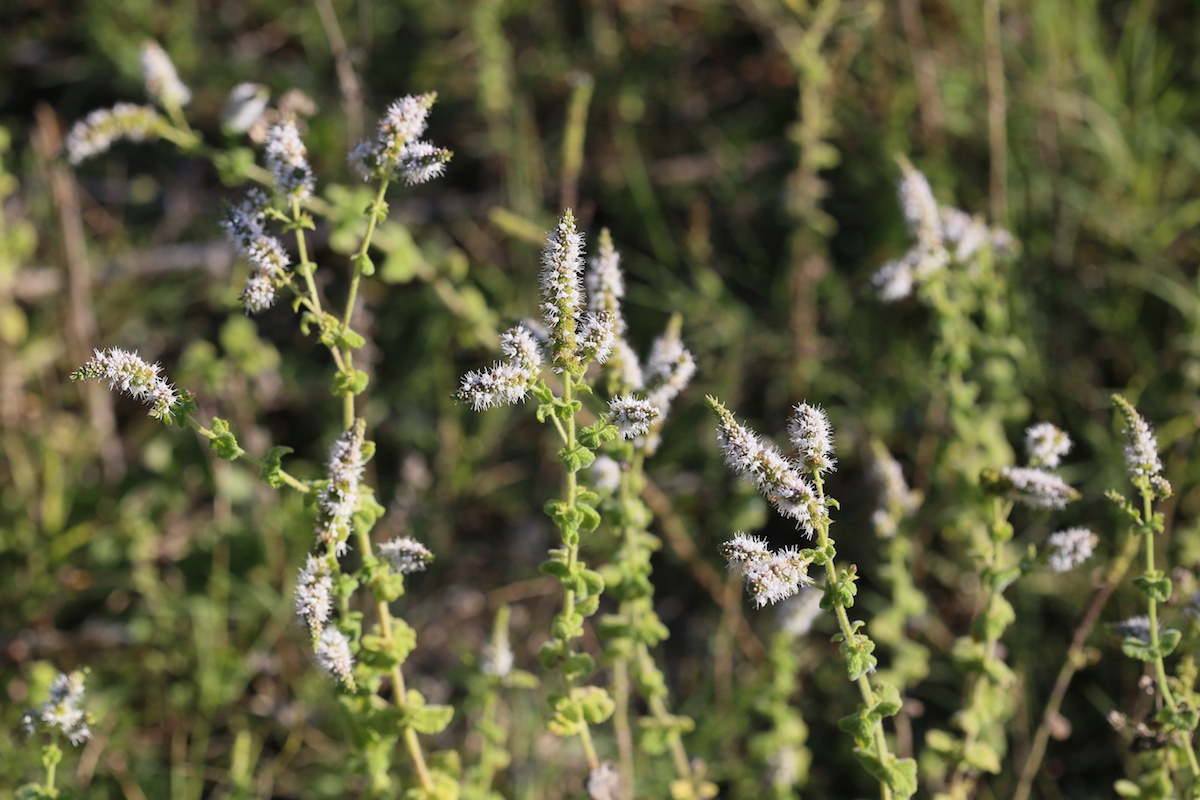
x,y
604,782
894,281
504,383
606,474
396,153
798,613
920,208
1141,448
776,577
287,159
269,261
1071,547
162,82
339,498
605,283
406,555
1133,628
774,476
97,132
1036,488
126,371
62,712
624,363
497,654
597,335
812,435
633,416
562,290
669,368
1045,445
314,594
896,500
244,107
744,548
334,658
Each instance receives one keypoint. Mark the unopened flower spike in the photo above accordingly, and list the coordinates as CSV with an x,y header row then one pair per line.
x,y
63,713
162,81
396,152
339,499
97,132
125,371
778,481
287,160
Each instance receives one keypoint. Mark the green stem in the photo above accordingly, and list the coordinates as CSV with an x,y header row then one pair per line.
x,y
287,478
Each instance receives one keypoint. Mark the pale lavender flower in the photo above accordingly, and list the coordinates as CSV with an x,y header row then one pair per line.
x,y
774,476
334,657
1141,448
632,415
896,500
624,362
338,499
605,283
1045,445
500,385
798,613
1037,488
770,577
497,654
269,261
1070,548
597,334
125,371
969,234
743,549
406,554
920,208
245,106
812,436
604,782
396,152
562,289
783,767
894,281
314,594
606,474
161,79
258,294
63,712
520,347
97,132
669,368
287,159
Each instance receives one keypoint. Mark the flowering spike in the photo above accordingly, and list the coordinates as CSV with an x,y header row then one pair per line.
x,y
1036,488
125,371
334,657
812,435
633,416
770,577
597,335
162,81
670,367
896,500
605,283
97,132
406,554
63,711
1071,547
1141,448
269,261
396,152
562,292
287,159
1045,445
314,594
338,500
775,478
505,382
498,659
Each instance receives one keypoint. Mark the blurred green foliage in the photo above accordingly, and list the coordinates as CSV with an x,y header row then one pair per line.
x,y
743,156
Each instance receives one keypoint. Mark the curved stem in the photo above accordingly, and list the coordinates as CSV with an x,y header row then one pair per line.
x,y
287,478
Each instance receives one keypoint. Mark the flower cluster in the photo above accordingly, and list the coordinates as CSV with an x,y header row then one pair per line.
x,y
127,372
100,129
1045,445
769,576
406,555
1036,488
812,436
63,712
244,224
774,475
896,500
1141,446
397,152
505,382
562,287
162,81
339,498
314,594
287,160
1071,547
798,613
940,233
633,416
334,657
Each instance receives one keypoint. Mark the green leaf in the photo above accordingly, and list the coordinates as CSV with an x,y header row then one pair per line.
x,y
224,443
576,458
1136,648
1168,640
430,719
597,705
364,264
860,725
983,757
273,467
350,383
1155,585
